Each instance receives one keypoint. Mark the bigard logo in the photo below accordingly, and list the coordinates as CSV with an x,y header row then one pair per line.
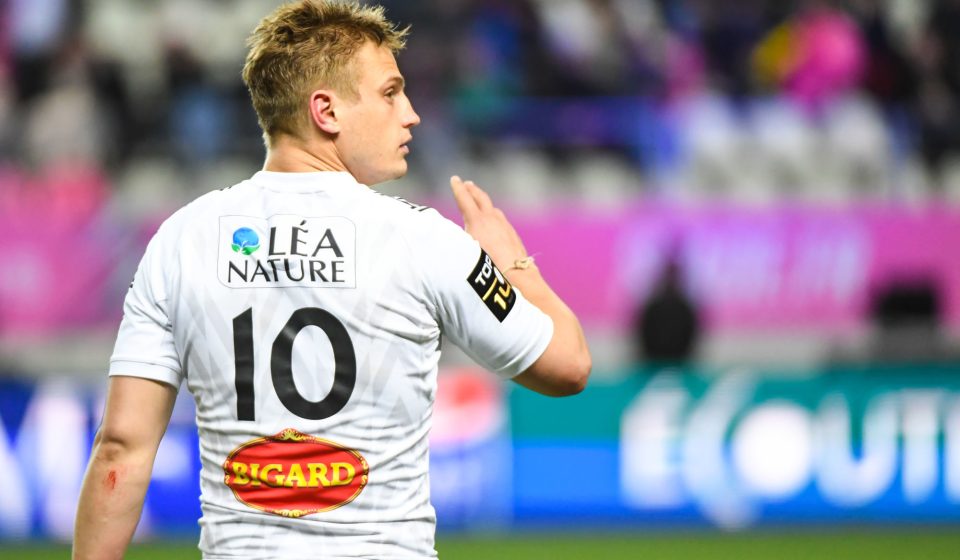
x,y
287,251
293,474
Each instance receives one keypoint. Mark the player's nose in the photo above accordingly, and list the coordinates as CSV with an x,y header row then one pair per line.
x,y
411,118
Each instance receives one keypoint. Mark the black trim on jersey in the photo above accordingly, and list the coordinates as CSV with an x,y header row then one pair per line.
x,y
411,205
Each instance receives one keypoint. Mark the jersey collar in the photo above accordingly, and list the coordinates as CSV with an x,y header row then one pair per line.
x,y
304,182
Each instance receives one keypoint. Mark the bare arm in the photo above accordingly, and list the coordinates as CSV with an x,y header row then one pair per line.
x,y
134,420
565,365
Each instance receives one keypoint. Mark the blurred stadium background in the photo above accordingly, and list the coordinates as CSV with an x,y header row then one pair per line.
x,y
754,206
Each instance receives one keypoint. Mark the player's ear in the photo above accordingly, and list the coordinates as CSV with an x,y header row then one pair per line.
x,y
323,111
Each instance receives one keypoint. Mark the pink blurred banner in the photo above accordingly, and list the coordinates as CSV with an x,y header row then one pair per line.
x,y
51,282
59,256
748,268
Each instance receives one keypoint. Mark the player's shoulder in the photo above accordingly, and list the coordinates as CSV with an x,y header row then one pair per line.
x,y
190,215
410,217
214,200
392,207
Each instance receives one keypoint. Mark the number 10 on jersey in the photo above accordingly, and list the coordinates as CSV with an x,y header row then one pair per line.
x,y
281,365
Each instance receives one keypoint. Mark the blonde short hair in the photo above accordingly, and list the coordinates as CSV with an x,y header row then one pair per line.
x,y
306,45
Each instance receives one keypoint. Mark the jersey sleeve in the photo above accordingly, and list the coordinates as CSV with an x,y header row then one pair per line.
x,y
476,307
145,343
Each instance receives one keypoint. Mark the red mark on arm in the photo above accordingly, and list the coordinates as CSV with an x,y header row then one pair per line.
x,y
111,480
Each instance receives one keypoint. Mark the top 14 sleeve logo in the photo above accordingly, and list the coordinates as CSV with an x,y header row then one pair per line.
x,y
286,251
492,287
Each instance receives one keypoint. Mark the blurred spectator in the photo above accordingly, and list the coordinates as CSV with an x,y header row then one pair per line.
x,y
667,325
729,32
937,108
198,125
889,75
67,120
907,317
815,56
605,47
36,29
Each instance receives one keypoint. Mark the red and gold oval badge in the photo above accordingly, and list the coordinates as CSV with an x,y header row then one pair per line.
x,y
294,474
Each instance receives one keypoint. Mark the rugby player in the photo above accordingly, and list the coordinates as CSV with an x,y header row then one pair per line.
x,y
304,312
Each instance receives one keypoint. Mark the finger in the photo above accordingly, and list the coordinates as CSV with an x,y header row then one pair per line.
x,y
465,201
480,196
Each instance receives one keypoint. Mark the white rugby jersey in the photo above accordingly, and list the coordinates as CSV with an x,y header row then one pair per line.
x,y
305,312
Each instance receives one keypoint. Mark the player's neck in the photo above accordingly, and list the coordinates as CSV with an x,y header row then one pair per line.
x,y
292,155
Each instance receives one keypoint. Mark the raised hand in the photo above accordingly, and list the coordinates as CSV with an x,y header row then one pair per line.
x,y
487,224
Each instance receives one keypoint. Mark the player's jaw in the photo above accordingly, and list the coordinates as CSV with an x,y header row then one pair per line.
x,y
401,167
385,164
